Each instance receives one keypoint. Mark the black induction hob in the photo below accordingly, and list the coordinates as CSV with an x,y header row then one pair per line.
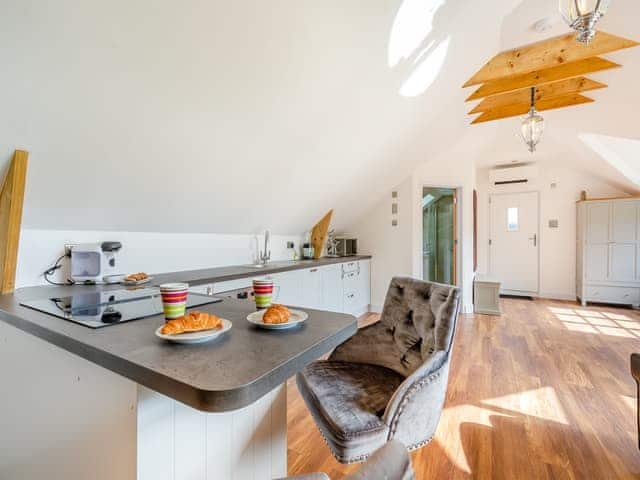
x,y
102,309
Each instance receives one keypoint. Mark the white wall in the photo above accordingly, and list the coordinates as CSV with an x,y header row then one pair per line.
x,y
144,251
217,116
389,246
398,250
557,245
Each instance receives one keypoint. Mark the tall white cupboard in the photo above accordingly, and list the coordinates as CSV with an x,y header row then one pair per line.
x,y
608,251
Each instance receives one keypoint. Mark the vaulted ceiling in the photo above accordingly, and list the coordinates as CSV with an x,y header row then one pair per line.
x,y
231,117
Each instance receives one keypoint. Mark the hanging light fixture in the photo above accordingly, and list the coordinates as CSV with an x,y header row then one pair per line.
x,y
582,16
533,125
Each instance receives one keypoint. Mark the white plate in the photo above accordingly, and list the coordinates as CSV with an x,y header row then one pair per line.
x,y
133,283
296,318
196,337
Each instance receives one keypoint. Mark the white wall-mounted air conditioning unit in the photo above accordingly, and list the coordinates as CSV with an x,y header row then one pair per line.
x,y
515,174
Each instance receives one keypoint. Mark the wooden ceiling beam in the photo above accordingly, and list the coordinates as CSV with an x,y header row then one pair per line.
x,y
11,202
542,77
521,109
548,53
544,92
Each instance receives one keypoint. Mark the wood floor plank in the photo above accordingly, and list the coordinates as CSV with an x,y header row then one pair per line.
x,y
541,392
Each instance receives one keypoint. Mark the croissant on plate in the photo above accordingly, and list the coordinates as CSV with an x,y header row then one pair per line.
x,y
192,322
276,314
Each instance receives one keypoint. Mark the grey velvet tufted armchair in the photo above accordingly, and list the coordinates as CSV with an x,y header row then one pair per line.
x,y
389,380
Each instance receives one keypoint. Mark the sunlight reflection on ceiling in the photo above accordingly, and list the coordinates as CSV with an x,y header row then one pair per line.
x,y
620,153
426,72
412,25
410,43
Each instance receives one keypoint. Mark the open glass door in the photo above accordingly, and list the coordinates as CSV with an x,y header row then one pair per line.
x,y
439,235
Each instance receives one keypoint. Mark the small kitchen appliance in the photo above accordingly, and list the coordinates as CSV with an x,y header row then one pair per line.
x,y
90,262
346,247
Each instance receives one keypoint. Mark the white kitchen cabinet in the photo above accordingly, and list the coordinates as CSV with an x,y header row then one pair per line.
x,y
608,245
312,288
356,287
364,285
340,287
332,300
288,287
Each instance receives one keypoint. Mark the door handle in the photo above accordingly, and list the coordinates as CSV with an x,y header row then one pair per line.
x,y
535,239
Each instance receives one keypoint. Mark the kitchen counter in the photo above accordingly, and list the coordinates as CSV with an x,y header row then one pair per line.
x,y
223,274
214,410
222,375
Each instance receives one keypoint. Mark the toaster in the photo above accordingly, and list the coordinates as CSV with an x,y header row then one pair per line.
x,y
90,262
346,247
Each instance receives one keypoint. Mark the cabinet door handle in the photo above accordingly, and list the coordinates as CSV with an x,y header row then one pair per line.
x,y
313,270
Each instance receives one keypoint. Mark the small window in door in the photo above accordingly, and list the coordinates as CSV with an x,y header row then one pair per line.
x,y
512,219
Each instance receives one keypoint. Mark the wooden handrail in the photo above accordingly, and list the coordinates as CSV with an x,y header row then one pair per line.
x,y
11,202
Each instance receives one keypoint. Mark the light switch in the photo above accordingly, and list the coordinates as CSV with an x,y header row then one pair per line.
x,y
553,223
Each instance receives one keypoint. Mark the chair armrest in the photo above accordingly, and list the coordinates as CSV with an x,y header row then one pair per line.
x,y
390,461
414,411
308,476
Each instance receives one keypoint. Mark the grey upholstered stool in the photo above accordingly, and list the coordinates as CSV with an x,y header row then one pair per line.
x,y
391,462
389,380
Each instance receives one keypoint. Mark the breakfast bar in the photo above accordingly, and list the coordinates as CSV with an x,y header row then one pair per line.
x,y
214,410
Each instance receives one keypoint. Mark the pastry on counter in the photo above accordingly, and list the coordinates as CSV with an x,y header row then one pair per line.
x,y
192,322
276,314
136,277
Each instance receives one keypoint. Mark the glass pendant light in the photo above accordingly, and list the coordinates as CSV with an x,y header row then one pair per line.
x,y
582,16
533,125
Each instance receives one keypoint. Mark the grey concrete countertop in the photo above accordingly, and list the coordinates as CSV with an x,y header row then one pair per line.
x,y
222,274
225,374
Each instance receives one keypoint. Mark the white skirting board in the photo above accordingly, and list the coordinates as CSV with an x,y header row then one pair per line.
x,y
65,418
176,442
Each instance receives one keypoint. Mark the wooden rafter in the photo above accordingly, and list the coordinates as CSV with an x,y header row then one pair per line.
x,y
548,53
556,68
522,109
11,201
544,92
542,77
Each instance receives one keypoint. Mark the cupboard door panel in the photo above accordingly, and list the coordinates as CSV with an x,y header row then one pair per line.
x,y
288,288
332,288
312,288
598,223
623,225
623,262
597,262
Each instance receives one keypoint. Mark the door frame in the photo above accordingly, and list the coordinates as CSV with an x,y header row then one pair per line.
x,y
517,292
457,230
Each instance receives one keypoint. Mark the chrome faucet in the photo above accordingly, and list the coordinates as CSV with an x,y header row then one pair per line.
x,y
266,255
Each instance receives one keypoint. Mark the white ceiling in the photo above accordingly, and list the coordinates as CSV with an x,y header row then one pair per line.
x,y
231,117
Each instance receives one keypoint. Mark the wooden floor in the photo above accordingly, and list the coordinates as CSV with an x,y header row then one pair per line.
x,y
544,391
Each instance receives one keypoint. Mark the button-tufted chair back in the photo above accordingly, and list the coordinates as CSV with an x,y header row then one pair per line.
x,y
417,320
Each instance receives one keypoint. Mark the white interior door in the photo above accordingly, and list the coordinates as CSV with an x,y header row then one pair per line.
x,y
514,242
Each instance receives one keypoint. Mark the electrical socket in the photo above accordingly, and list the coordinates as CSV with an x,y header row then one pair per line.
x,y
67,249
